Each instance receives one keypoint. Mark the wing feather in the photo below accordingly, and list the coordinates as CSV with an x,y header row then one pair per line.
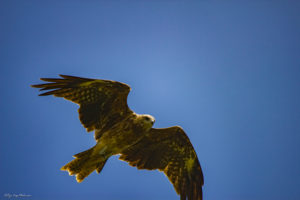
x,y
170,151
102,102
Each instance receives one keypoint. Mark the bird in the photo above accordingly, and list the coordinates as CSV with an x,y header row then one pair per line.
x,y
120,131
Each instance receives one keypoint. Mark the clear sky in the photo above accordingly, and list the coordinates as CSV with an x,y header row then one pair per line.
x,y
228,73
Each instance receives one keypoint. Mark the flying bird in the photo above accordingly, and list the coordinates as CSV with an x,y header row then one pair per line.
x,y
118,130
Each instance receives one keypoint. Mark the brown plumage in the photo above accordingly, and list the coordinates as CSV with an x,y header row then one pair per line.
x,y
118,130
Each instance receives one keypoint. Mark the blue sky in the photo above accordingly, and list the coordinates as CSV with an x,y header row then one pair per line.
x,y
228,73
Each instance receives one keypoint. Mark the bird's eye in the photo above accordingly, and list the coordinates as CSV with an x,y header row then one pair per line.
x,y
147,118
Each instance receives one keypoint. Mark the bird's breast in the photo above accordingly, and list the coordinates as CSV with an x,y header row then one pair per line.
x,y
121,137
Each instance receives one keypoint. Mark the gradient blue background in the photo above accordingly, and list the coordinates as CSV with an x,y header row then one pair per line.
x,y
228,73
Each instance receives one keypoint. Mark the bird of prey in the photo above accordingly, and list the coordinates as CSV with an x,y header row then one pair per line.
x,y
119,130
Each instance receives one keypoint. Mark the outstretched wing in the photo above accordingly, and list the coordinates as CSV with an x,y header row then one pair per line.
x,y
170,151
102,102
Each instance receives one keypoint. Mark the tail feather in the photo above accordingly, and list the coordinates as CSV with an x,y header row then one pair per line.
x,y
100,166
84,164
84,153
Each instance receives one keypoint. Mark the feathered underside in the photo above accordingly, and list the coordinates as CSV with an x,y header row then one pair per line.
x,y
103,103
169,150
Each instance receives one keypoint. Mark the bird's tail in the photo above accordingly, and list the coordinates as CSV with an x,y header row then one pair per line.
x,y
84,164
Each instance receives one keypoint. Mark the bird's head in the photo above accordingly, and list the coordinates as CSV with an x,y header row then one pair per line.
x,y
147,121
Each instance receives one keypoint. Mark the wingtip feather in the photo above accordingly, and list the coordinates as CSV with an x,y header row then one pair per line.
x,y
63,76
68,76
